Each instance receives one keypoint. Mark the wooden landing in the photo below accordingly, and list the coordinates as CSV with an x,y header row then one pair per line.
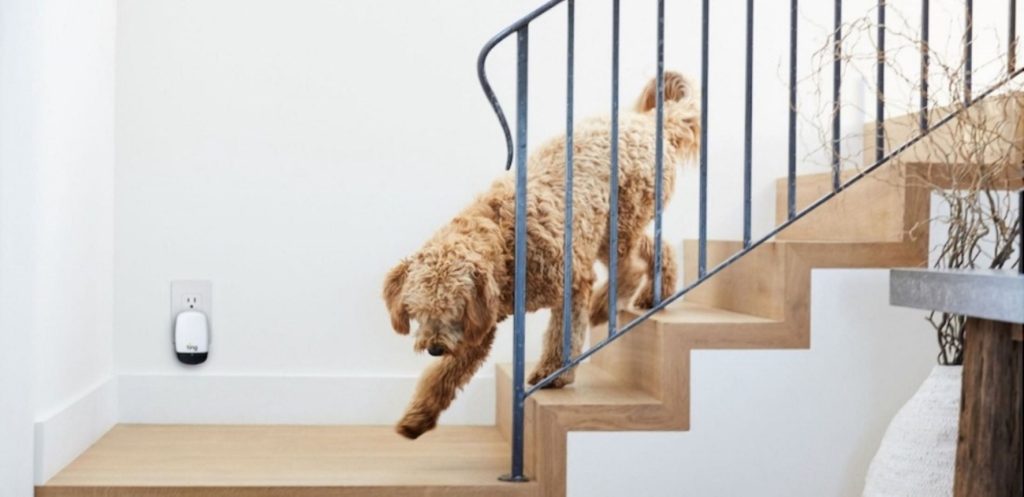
x,y
306,461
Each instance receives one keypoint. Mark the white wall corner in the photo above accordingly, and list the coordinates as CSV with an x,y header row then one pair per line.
x,y
288,399
65,433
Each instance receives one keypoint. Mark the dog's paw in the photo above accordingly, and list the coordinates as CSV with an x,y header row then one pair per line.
x,y
644,304
542,371
414,424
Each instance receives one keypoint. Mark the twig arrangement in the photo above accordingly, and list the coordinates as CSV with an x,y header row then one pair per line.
x,y
973,164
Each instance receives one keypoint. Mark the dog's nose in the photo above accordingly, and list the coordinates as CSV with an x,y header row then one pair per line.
x,y
436,350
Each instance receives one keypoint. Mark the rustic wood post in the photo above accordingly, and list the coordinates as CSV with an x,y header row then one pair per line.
x,y
989,451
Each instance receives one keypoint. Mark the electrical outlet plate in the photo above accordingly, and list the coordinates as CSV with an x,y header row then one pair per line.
x,y
194,295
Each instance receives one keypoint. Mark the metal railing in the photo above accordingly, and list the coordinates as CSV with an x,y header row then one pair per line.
x,y
517,151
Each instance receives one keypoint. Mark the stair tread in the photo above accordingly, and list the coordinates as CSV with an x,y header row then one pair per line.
x,y
802,243
241,457
683,312
593,387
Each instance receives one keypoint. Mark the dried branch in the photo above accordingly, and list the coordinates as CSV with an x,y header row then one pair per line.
x,y
973,164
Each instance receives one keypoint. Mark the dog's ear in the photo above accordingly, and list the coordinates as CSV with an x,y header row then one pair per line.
x,y
481,307
393,284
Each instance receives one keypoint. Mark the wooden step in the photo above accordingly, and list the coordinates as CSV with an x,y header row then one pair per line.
x,y
998,120
597,401
772,280
304,461
885,206
655,357
593,388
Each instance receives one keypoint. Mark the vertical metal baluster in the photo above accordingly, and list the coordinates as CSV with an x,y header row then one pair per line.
x,y
837,53
1011,46
613,204
659,147
880,83
924,66
791,182
567,249
748,129
702,237
519,304
968,49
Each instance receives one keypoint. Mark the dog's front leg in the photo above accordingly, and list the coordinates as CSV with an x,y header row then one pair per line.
x,y
551,358
439,384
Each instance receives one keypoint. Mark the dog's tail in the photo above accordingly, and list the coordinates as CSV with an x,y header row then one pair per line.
x,y
677,89
682,112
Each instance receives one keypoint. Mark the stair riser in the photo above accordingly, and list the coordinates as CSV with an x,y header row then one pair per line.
x,y
873,209
752,285
636,358
1000,118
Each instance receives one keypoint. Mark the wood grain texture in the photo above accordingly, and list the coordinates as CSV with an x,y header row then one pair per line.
x,y
875,208
144,460
990,452
997,121
753,285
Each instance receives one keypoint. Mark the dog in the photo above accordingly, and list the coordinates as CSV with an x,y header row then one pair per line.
x,y
459,285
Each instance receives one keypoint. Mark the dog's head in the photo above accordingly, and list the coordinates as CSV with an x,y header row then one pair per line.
x,y
451,295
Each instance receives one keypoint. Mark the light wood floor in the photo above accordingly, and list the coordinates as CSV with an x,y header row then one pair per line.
x,y
165,460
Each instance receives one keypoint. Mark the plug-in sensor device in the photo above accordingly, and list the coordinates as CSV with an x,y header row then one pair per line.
x,y
191,337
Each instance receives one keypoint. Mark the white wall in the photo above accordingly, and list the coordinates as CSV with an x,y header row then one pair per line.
x,y
19,46
74,252
292,152
57,228
265,146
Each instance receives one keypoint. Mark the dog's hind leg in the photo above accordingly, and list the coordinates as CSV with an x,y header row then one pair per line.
x,y
645,300
631,268
439,385
552,359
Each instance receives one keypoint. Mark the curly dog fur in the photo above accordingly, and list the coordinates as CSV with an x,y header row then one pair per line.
x,y
459,285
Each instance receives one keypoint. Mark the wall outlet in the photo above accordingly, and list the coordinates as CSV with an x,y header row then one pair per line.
x,y
191,295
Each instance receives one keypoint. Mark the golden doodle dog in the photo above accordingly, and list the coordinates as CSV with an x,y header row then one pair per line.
x,y
459,285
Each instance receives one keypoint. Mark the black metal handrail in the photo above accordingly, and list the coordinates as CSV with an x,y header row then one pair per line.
x,y
517,150
481,68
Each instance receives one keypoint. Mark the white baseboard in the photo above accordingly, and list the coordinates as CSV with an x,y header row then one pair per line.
x,y
245,399
64,434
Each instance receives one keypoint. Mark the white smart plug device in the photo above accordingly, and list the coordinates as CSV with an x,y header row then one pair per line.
x,y
191,337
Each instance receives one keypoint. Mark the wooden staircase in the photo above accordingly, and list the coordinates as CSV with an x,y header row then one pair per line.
x,y
762,301
642,382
